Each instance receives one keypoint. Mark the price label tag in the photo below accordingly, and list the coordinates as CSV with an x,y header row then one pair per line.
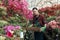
x,y
21,35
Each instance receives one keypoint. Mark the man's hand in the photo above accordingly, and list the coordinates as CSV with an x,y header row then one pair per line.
x,y
33,29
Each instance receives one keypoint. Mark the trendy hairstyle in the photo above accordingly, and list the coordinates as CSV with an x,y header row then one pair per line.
x,y
34,8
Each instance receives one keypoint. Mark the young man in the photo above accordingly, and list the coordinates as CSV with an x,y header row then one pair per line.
x,y
37,23
51,27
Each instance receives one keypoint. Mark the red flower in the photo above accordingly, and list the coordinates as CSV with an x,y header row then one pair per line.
x,y
9,34
43,9
53,24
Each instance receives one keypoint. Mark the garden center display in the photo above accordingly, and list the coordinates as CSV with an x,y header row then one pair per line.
x,y
15,16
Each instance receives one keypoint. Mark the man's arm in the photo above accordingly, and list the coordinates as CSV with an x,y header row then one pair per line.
x,y
37,29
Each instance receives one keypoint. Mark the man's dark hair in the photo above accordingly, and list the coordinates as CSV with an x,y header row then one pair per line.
x,y
34,8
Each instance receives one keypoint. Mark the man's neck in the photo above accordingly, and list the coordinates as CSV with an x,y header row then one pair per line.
x,y
36,15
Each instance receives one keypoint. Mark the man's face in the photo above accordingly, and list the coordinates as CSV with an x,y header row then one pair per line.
x,y
35,12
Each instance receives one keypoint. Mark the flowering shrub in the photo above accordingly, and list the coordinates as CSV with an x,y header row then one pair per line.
x,y
55,23
9,29
51,11
19,6
9,9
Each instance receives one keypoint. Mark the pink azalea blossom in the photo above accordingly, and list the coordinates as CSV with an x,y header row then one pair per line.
x,y
17,27
30,15
8,30
53,24
9,27
22,5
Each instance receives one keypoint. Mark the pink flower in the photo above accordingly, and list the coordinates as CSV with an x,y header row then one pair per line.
x,y
8,30
24,2
18,27
9,27
30,15
22,5
53,24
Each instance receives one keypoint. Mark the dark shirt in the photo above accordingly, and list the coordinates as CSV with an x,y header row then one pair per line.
x,y
38,22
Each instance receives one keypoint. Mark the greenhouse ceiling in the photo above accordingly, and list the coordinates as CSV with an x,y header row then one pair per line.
x,y
42,3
